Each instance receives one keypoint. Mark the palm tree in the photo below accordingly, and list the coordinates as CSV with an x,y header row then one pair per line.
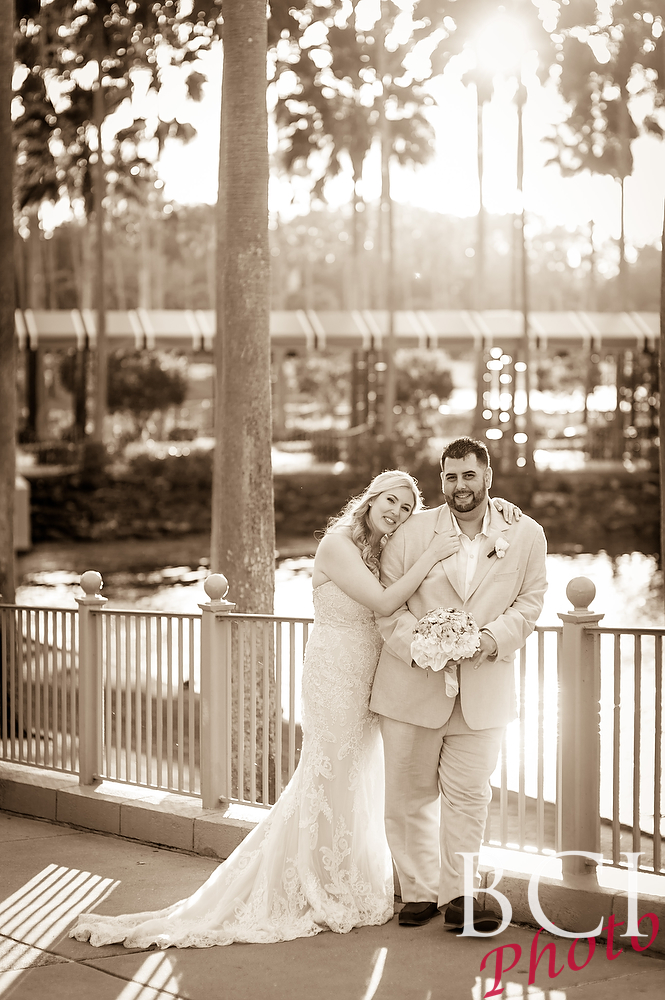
x,y
243,533
362,96
483,26
334,119
627,60
600,127
58,39
7,334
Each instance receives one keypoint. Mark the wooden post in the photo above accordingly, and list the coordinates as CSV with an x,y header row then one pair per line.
x,y
90,680
579,730
216,693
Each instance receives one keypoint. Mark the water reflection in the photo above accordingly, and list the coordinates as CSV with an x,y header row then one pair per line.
x,y
628,588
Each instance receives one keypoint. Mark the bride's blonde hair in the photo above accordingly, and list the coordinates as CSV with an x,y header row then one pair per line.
x,y
355,515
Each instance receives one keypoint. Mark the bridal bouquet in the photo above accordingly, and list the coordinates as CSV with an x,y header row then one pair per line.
x,y
443,637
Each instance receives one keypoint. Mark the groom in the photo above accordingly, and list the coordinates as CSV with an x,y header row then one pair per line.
x,y
441,747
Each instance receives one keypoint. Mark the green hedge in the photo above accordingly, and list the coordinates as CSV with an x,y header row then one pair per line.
x,y
579,511
152,498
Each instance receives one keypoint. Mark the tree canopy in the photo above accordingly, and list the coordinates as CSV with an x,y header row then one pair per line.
x,y
63,53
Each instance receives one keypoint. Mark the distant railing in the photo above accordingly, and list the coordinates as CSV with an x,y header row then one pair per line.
x,y
208,705
38,687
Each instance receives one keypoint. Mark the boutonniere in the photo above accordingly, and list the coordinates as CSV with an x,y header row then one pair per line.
x,y
500,548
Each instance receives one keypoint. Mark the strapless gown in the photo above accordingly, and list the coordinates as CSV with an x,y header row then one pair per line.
x,y
319,860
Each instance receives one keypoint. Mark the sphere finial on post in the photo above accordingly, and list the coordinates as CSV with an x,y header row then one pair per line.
x,y
91,583
580,592
216,587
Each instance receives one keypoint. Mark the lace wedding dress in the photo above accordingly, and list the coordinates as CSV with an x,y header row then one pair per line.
x,y
319,860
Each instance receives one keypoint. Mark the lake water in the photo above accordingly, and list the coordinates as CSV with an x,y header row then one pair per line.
x,y
628,588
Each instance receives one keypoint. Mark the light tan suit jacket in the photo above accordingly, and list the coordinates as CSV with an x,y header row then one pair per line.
x,y
506,597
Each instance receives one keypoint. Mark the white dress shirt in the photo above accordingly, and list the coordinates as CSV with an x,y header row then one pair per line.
x,y
469,552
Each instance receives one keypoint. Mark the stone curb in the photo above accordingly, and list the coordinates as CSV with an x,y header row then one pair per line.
x,y
167,820
181,823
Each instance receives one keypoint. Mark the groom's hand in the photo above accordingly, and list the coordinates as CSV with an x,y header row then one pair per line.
x,y
487,651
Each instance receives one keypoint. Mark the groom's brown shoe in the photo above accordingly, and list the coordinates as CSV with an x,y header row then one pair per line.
x,y
483,919
415,914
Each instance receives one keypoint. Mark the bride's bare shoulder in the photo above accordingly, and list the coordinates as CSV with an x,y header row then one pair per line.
x,y
336,550
337,538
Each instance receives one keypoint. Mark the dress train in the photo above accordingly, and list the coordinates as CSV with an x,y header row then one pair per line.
x,y
319,860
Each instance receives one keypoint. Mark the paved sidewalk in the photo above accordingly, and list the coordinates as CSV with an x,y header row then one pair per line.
x,y
49,873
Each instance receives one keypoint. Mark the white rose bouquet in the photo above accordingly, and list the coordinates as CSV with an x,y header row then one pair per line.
x,y
443,637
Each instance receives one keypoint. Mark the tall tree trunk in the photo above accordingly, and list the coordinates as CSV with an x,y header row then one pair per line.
x,y
36,277
524,285
210,275
20,293
661,394
479,297
101,387
386,236
592,284
7,335
144,269
355,285
243,525
78,238
625,168
386,231
49,250
83,251
622,303
119,270
158,261
81,392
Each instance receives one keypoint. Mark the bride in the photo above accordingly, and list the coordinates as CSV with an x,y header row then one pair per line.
x,y
319,860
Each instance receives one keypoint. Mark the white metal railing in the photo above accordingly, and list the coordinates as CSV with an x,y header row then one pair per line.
x,y
208,705
632,785
261,705
38,687
151,698
523,812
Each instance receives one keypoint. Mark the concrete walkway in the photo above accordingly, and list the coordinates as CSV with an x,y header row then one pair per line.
x,y
49,873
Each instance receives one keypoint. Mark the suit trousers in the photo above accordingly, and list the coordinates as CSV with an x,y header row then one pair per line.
x,y
437,798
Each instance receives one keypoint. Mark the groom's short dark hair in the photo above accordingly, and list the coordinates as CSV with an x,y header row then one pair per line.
x,y
461,447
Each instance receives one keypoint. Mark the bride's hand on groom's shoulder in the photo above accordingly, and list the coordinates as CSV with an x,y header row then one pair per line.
x,y
443,545
511,512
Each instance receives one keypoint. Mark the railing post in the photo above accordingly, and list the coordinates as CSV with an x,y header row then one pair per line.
x,y
216,693
90,679
579,731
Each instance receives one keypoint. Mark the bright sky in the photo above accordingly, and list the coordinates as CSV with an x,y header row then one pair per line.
x,y
449,182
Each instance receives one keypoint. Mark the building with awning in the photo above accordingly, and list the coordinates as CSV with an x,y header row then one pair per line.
x,y
366,329
493,338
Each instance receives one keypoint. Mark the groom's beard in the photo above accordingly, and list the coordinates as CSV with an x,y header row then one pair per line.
x,y
465,500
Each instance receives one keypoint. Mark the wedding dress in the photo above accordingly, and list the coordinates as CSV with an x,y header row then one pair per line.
x,y
319,860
